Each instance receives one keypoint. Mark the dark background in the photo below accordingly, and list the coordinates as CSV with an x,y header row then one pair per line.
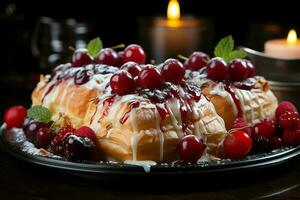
x,y
250,22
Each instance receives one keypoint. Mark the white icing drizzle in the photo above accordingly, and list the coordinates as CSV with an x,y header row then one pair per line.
x,y
133,140
160,135
173,108
146,164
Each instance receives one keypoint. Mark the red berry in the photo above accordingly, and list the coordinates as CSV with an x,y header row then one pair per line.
x,y
284,106
237,145
132,67
14,116
134,53
289,119
261,145
121,57
191,149
291,136
85,131
265,128
81,58
56,145
217,69
172,71
250,68
276,142
108,56
31,127
122,83
150,77
196,61
240,123
237,70
43,137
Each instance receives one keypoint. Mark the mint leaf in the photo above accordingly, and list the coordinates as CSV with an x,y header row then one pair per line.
x,y
94,47
224,47
39,113
237,54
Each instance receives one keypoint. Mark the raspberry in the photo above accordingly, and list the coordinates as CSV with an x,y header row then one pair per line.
x,y
289,119
284,106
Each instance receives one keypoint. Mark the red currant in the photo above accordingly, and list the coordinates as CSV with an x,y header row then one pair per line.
x,y
197,60
237,145
81,58
237,70
172,71
289,119
132,67
150,77
134,53
284,106
191,148
122,83
108,56
265,128
217,69
14,116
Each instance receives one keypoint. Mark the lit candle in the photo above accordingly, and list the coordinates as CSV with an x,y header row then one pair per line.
x,y
168,37
284,48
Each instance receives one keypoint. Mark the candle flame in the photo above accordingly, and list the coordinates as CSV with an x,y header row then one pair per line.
x,y
292,37
173,12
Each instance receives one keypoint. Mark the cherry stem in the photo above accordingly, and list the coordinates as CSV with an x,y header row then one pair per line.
x,y
237,129
182,57
71,48
119,46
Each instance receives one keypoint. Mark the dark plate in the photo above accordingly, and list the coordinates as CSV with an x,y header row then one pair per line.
x,y
112,171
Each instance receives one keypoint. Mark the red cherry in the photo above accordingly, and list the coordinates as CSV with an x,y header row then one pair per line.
x,y
85,131
56,145
43,137
132,67
134,53
121,57
217,69
291,136
108,56
240,123
197,60
14,116
250,68
289,119
81,58
237,70
265,128
237,145
172,71
284,106
276,142
150,77
191,149
122,83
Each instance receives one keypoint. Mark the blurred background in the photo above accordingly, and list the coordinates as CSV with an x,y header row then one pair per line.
x,y
35,35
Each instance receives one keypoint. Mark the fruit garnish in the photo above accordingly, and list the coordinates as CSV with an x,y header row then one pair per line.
x,y
190,149
217,69
276,142
237,70
56,145
134,53
225,50
31,127
43,137
196,61
108,56
85,131
80,58
289,119
122,83
132,67
265,128
172,71
260,145
14,116
291,136
39,113
284,106
250,68
94,47
241,124
150,78
237,144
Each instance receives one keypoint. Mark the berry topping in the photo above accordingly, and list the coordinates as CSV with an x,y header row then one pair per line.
x,y
289,119
134,53
241,123
172,71
108,56
250,68
81,77
237,70
284,106
261,145
150,78
191,149
265,128
291,136
56,145
276,142
81,58
43,137
196,61
85,131
31,127
237,145
217,69
132,67
122,83
14,116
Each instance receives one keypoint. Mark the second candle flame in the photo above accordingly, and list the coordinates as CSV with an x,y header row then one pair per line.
x,y
292,37
173,12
